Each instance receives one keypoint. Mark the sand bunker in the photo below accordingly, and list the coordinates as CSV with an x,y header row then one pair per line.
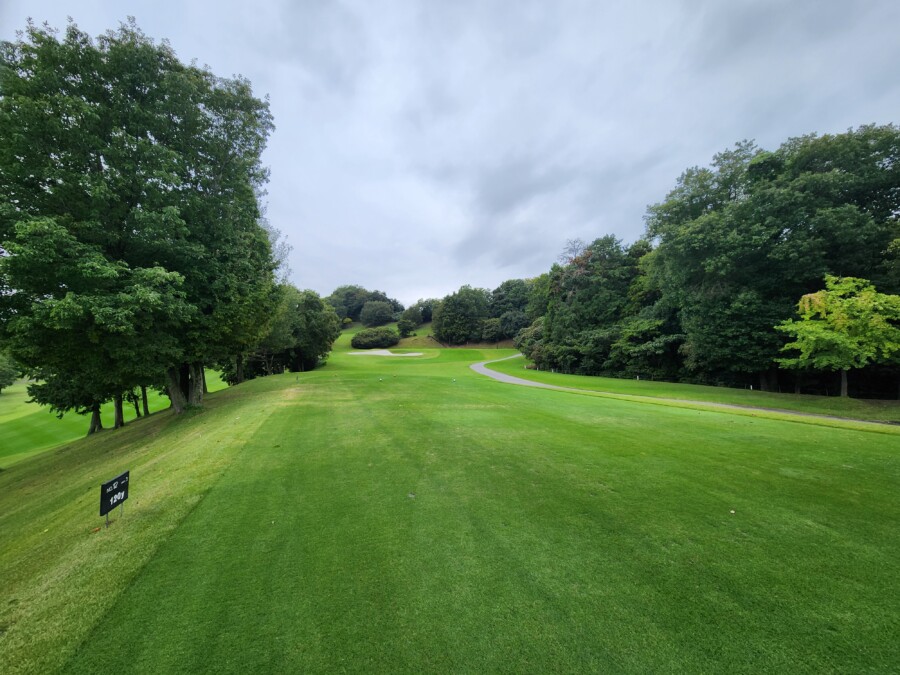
x,y
382,352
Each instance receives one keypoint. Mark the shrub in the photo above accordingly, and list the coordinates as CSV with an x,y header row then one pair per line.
x,y
374,338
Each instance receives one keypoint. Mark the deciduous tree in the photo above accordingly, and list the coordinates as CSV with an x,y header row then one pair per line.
x,y
129,210
459,316
848,325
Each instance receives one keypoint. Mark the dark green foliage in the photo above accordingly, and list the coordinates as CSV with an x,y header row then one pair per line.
x,y
376,313
413,315
645,346
736,244
587,298
512,322
510,296
135,246
538,296
314,330
348,301
303,330
426,309
405,327
491,331
530,341
458,318
375,338
739,242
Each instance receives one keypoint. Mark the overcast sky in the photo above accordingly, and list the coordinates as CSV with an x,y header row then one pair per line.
x,y
420,146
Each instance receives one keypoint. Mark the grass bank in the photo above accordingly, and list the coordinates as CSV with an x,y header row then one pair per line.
x,y
27,429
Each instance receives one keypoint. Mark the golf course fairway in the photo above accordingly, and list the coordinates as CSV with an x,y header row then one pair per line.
x,y
397,515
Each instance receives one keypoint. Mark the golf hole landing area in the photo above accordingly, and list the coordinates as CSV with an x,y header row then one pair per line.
x,y
382,352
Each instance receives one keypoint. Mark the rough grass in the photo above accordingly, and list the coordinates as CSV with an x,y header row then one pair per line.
x,y
409,515
27,429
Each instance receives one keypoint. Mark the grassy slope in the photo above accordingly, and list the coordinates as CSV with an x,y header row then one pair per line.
x,y
27,429
862,409
378,515
423,338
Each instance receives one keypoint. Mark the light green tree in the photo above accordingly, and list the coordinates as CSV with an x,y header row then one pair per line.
x,y
848,325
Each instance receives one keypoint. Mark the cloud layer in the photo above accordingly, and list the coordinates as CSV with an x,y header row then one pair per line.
x,y
421,146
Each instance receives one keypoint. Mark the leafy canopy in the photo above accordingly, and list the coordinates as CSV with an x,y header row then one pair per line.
x,y
847,325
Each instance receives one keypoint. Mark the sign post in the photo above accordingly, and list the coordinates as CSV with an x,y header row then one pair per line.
x,y
113,493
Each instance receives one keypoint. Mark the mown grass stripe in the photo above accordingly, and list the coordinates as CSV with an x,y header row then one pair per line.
x,y
422,524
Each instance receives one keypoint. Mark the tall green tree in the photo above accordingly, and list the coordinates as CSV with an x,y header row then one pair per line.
x,y
315,328
129,188
459,316
538,296
510,296
739,242
348,301
846,326
301,334
587,297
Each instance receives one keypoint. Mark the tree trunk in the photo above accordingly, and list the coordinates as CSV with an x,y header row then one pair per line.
x,y
120,416
195,390
844,383
768,380
144,401
184,380
203,376
96,422
239,369
176,395
135,402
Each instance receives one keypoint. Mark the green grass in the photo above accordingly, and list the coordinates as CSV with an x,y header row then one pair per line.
x,y
27,429
408,515
423,338
861,409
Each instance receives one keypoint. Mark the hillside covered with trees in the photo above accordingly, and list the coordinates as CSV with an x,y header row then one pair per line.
x,y
134,252
710,292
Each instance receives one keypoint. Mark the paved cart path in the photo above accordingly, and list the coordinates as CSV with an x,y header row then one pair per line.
x,y
482,369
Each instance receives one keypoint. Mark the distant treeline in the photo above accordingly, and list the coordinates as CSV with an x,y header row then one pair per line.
x,y
709,293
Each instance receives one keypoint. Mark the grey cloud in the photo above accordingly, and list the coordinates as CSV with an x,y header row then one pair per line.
x,y
515,182
421,146
748,29
324,39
